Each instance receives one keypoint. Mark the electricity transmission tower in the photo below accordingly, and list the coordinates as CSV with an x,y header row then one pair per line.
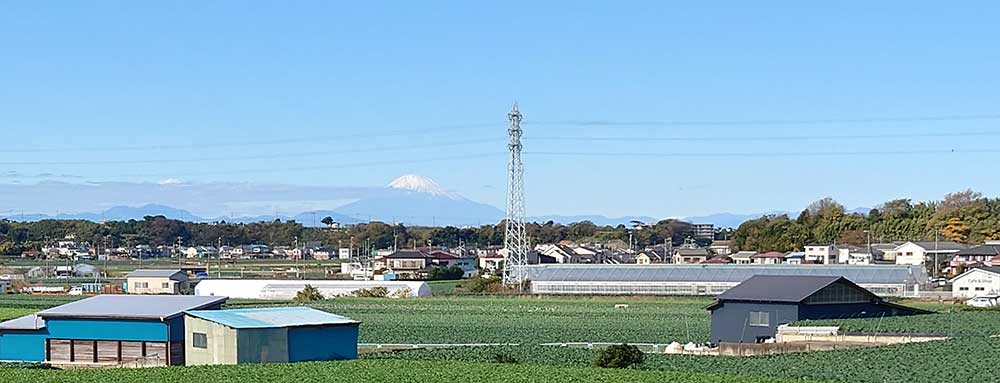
x,y
515,241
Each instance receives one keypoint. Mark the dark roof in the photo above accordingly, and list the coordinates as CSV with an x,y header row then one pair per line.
x,y
941,245
693,252
775,288
154,273
159,307
770,254
981,250
408,254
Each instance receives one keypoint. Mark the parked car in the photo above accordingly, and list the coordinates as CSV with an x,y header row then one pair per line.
x,y
984,301
76,290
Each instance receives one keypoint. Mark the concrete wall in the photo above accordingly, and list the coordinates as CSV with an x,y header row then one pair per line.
x,y
730,322
222,345
264,345
323,343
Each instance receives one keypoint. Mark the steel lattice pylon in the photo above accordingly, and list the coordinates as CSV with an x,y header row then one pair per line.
x,y
515,240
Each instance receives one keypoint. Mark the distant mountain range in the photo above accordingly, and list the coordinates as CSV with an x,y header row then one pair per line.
x,y
411,200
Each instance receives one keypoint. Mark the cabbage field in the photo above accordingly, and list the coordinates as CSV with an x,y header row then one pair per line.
x,y
530,321
522,321
371,371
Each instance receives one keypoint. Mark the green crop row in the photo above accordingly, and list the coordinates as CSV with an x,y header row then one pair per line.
x,y
944,361
397,371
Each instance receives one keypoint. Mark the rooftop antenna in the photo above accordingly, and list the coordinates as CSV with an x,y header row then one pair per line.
x,y
515,240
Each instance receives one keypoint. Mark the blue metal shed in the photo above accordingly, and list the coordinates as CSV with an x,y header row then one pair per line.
x,y
105,329
262,335
752,311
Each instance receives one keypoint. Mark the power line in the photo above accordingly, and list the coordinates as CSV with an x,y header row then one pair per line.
x,y
766,138
846,153
772,121
248,158
233,144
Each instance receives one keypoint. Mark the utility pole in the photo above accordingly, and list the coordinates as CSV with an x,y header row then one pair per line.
x,y
298,273
515,239
937,238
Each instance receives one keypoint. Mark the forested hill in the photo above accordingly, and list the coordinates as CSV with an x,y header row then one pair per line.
x,y
965,217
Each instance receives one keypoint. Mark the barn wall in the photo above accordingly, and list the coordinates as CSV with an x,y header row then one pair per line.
x,y
730,321
26,346
852,310
107,329
221,343
262,345
323,343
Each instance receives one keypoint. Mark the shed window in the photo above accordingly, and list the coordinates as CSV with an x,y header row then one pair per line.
x,y
199,340
165,285
760,318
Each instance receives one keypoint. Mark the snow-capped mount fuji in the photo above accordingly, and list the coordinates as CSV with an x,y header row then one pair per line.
x,y
415,183
415,200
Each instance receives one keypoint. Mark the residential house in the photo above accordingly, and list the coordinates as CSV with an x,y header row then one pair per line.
x,y
978,281
157,281
917,253
653,255
822,254
690,255
199,252
974,256
795,258
768,258
721,247
743,257
324,253
561,253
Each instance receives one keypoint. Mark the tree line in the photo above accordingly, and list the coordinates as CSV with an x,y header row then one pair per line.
x,y
16,237
965,217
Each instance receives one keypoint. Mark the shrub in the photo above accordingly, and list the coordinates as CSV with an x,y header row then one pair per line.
x,y
504,357
619,356
308,294
374,292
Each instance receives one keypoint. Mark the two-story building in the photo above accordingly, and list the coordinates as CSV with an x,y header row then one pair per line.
x,y
920,252
158,281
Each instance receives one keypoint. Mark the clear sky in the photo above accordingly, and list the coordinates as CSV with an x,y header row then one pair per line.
x,y
712,107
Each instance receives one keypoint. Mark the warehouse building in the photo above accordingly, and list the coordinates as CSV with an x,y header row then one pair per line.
x,y
752,311
286,289
704,279
104,330
268,335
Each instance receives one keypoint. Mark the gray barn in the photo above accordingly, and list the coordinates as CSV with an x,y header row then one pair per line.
x,y
752,311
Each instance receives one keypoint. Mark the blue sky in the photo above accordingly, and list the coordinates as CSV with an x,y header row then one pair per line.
x,y
735,100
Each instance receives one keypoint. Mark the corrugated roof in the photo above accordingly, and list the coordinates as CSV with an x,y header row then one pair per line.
x,y
861,274
131,306
271,317
154,273
27,322
777,288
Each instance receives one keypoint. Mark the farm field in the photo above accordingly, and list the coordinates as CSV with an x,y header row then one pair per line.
x,y
945,361
531,321
522,320
397,371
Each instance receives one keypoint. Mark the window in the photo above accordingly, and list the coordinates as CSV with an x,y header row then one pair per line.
x,y
760,318
980,289
142,285
165,285
199,340
963,289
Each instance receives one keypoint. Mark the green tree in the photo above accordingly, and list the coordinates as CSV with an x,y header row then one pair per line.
x,y
307,295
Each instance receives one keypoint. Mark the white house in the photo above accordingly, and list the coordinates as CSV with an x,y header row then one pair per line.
x,y
822,254
743,257
561,253
976,282
916,253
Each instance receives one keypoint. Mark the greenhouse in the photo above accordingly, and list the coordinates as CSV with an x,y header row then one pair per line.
x,y
286,289
883,280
